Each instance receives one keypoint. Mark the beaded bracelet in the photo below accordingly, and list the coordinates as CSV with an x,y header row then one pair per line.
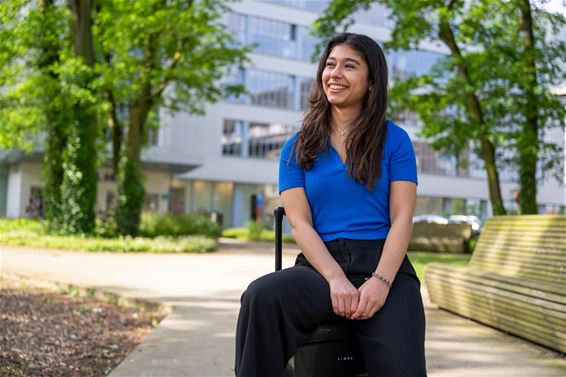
x,y
379,277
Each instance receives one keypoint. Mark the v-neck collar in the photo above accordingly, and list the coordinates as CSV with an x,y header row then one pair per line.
x,y
342,164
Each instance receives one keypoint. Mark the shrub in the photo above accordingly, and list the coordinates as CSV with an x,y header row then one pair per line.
x,y
154,225
23,224
244,234
130,197
106,225
255,230
238,233
189,244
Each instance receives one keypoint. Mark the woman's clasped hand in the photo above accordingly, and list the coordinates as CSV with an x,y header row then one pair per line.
x,y
357,304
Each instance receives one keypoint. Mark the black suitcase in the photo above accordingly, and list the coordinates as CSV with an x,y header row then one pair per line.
x,y
334,350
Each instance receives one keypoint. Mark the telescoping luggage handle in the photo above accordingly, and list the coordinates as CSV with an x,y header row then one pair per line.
x,y
278,213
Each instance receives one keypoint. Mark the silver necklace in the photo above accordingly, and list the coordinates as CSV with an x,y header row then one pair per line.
x,y
343,132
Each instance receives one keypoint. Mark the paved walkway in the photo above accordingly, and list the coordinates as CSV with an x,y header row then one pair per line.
x,y
197,338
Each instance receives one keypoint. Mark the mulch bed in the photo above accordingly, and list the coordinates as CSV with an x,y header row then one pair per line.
x,y
47,333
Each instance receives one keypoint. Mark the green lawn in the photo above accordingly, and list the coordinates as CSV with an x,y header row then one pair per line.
x,y
25,232
255,234
420,259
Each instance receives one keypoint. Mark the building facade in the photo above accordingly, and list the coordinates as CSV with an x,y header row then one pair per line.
x,y
226,161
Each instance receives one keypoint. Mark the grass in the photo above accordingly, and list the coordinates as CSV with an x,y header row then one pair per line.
x,y
188,244
419,259
263,235
24,232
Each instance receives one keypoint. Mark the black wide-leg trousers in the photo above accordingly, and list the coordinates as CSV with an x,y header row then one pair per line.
x,y
281,311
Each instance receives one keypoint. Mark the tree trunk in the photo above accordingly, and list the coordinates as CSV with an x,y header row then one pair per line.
x,y
474,110
529,140
115,126
131,190
56,135
79,183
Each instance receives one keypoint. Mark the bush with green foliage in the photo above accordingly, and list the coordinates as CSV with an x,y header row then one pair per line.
x,y
131,195
189,244
251,233
255,230
106,225
10,225
26,232
153,225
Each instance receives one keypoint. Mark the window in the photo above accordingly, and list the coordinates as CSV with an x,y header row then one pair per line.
x,y
153,137
406,118
305,85
376,15
254,139
309,5
270,89
235,76
306,43
434,162
273,37
236,24
151,202
34,208
428,205
266,140
232,137
110,200
406,63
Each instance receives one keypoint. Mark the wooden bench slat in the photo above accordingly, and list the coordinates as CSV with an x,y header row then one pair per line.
x,y
523,258
527,225
553,268
518,271
517,268
521,238
551,299
511,250
530,219
550,337
548,246
546,320
552,291
552,245
501,308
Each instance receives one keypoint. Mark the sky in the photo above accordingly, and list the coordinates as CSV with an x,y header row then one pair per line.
x,y
556,6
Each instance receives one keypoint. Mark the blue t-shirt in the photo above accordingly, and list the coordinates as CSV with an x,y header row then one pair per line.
x,y
342,207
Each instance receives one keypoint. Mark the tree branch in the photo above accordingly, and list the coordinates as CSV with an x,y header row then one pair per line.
x,y
168,75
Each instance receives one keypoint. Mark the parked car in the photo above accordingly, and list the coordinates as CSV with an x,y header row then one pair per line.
x,y
436,219
474,221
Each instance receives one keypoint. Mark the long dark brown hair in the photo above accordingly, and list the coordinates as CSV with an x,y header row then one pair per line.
x,y
366,138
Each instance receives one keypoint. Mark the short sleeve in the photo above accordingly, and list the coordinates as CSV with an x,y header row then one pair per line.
x,y
402,161
290,174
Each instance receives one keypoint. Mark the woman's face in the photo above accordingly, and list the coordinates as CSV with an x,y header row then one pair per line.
x,y
345,77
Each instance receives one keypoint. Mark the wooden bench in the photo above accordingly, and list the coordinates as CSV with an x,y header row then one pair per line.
x,y
452,238
515,281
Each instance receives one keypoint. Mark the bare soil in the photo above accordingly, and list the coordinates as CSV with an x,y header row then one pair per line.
x,y
44,332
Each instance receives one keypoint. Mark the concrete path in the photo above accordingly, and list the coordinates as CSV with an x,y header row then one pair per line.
x,y
197,338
